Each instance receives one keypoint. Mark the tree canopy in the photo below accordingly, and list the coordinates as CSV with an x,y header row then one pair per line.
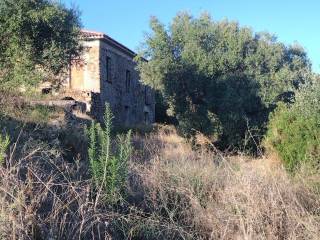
x,y
219,78
38,39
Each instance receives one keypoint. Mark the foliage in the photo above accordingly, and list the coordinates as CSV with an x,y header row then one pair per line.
x,y
37,114
109,168
4,144
41,114
294,131
217,77
161,115
38,38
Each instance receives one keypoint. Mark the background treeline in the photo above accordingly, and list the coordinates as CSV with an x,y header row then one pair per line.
x,y
222,79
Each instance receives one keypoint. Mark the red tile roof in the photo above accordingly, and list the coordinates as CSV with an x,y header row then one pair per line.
x,y
92,35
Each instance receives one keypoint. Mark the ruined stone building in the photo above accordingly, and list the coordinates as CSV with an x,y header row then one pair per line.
x,y
106,73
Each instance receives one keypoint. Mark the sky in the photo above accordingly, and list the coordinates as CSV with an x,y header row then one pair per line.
x,y
127,21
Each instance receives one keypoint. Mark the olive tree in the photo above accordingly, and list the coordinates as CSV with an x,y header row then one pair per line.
x,y
38,39
219,78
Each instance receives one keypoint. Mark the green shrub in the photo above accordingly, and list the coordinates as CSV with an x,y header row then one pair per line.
x,y
4,143
294,131
109,166
41,114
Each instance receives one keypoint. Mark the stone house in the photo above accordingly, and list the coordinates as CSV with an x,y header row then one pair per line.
x,y
106,73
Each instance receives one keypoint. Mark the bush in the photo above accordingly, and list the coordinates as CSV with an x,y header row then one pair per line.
x,y
109,167
294,131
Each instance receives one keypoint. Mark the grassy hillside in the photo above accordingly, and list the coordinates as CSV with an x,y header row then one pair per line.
x,y
174,190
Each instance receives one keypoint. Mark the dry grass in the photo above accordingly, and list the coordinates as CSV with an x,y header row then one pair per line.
x,y
174,192
44,197
202,195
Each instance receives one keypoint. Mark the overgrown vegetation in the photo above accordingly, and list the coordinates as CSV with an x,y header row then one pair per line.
x,y
22,111
109,167
64,178
294,130
172,192
38,39
219,78
200,194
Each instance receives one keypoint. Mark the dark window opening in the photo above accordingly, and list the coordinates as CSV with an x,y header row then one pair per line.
x,y
108,68
127,113
128,81
146,96
146,117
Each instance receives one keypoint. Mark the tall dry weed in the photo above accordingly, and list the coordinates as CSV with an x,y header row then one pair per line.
x,y
198,194
42,196
174,192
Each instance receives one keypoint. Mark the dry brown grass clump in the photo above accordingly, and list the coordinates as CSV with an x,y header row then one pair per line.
x,y
45,196
198,194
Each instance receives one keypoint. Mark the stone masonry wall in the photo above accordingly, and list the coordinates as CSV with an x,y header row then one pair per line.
x,y
85,73
131,107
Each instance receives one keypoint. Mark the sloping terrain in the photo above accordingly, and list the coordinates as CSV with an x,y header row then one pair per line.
x,y
174,190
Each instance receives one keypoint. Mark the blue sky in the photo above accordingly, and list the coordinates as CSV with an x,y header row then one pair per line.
x,y
127,20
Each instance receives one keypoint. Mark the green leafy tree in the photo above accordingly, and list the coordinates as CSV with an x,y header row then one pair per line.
x,y
109,166
38,39
219,78
294,130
